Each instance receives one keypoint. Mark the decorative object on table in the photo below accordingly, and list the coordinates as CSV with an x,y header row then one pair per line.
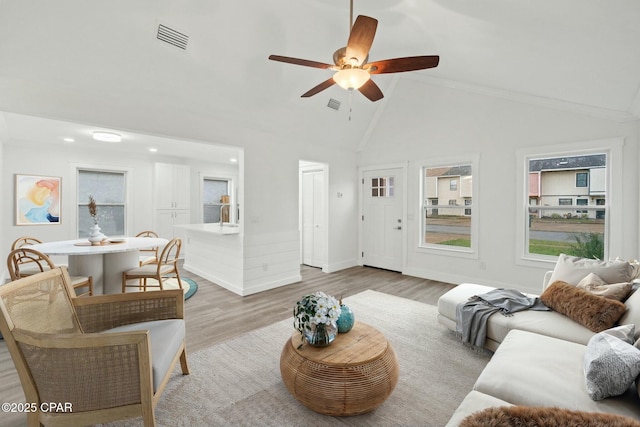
x,y
315,317
37,200
95,236
346,320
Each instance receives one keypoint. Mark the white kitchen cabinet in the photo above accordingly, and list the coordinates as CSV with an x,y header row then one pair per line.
x,y
172,189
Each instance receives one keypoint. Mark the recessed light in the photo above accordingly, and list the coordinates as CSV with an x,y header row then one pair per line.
x,y
106,136
233,160
153,150
68,139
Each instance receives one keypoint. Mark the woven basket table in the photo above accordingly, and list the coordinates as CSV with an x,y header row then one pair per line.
x,y
353,375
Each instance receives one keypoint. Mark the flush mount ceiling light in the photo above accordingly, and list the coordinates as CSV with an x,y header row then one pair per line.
x,y
107,136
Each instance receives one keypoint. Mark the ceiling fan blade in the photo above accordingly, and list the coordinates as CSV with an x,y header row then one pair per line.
x,y
361,39
322,86
371,91
298,61
399,65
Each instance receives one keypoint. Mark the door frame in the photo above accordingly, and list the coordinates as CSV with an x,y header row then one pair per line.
x,y
405,225
311,166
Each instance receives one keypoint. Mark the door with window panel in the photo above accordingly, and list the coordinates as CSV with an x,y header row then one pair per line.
x,y
382,219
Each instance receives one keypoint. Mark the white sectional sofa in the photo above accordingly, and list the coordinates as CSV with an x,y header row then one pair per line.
x,y
539,356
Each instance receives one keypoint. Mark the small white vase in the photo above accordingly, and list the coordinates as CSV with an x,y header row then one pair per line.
x,y
95,236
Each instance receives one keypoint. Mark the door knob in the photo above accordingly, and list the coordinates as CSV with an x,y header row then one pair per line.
x,y
399,227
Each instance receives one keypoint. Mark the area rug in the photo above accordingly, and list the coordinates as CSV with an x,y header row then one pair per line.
x,y
238,383
189,286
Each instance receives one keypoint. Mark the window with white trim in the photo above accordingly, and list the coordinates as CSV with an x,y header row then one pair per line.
x,y
447,195
557,185
108,188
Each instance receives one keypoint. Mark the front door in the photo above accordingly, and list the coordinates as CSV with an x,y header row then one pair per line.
x,y
382,218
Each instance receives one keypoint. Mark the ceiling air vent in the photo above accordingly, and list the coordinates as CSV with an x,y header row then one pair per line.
x,y
333,103
173,37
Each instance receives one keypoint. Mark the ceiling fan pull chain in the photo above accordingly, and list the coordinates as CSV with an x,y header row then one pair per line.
x,y
350,109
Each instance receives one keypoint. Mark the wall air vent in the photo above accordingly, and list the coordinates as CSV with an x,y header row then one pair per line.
x,y
172,37
334,103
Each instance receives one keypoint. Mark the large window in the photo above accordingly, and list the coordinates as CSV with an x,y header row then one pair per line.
x,y
109,191
567,208
447,209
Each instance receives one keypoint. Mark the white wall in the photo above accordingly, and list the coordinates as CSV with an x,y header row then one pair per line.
x,y
423,121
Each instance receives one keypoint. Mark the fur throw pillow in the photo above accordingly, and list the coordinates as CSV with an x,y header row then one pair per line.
x,y
510,416
591,311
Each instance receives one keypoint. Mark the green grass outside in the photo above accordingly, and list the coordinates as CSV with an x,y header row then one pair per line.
x,y
550,247
465,243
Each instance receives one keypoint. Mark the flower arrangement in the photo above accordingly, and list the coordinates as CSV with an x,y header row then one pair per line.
x,y
314,314
93,210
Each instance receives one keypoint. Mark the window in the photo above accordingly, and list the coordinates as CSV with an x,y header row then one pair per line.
x,y
215,194
553,227
382,187
447,194
582,179
109,191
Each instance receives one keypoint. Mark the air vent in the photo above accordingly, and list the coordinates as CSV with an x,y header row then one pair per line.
x,y
333,103
172,37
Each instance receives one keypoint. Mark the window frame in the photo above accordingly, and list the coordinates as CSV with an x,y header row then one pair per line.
x,y
128,180
586,180
613,148
455,251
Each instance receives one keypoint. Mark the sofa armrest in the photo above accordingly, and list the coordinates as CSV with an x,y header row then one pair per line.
x,y
102,312
545,279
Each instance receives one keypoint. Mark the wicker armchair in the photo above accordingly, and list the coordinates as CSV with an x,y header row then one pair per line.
x,y
105,357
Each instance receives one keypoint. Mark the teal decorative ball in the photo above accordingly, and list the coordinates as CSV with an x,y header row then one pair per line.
x,y
346,320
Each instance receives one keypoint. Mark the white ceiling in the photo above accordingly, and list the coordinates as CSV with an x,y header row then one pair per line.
x,y
98,63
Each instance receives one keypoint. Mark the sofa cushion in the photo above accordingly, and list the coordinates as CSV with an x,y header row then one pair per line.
x,y
594,284
572,269
536,370
611,362
473,402
166,337
592,311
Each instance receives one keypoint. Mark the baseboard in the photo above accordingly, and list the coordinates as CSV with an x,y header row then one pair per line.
x,y
212,278
337,266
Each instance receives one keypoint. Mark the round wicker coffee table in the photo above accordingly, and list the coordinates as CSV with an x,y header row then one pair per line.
x,y
353,375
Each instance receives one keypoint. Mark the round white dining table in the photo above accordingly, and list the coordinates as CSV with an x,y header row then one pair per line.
x,y
105,262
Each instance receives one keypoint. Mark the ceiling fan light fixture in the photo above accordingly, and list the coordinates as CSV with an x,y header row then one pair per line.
x,y
351,78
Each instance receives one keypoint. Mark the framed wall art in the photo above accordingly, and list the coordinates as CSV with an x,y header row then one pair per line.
x,y
37,200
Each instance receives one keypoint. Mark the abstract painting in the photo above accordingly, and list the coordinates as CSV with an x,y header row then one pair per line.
x,y
37,200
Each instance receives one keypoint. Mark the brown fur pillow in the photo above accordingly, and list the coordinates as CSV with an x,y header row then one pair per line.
x,y
530,416
591,311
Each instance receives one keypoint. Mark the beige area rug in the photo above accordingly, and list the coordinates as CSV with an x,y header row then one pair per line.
x,y
238,383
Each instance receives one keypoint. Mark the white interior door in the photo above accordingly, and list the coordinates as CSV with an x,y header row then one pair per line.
x,y
313,218
382,218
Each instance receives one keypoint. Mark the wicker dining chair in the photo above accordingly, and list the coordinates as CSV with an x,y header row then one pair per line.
x,y
34,262
106,357
167,266
148,256
29,268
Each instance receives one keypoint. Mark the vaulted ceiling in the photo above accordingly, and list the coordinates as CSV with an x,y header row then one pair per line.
x,y
100,63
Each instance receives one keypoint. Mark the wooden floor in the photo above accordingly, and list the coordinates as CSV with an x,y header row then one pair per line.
x,y
215,314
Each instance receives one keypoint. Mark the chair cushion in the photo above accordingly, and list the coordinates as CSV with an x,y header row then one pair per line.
x,y
150,270
166,336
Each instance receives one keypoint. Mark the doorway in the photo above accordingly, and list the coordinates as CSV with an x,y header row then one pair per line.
x,y
313,214
382,218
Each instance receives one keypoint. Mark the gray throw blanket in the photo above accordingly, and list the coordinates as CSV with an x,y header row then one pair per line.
x,y
472,316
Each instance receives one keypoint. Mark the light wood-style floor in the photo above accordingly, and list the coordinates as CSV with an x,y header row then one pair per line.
x,y
215,314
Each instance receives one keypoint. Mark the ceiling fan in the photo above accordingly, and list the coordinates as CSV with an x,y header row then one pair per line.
x,y
353,72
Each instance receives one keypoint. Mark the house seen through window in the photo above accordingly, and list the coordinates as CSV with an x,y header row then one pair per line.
x,y
567,205
447,206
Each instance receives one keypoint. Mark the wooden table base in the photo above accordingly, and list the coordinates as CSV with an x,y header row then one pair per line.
x,y
352,376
